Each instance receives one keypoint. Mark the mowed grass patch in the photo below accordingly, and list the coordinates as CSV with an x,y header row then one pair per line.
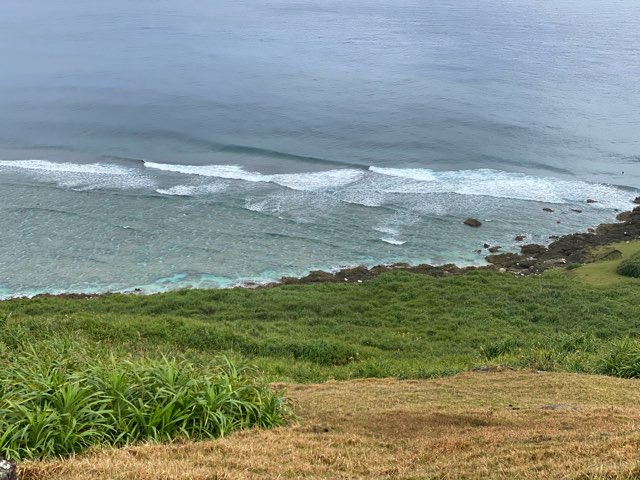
x,y
604,273
475,425
401,324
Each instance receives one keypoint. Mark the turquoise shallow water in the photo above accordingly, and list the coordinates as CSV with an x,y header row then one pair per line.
x,y
167,144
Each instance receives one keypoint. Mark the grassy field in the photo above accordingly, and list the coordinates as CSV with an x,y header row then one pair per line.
x,y
136,365
399,325
498,425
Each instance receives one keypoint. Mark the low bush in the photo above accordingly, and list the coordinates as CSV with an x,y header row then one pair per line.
x,y
622,360
630,267
499,347
57,399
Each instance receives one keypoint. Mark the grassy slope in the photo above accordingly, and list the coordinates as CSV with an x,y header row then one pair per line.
x,y
405,325
604,274
475,425
400,324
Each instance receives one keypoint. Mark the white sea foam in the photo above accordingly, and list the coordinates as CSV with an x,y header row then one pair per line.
x,y
193,190
80,168
387,230
499,184
82,176
263,206
420,174
373,188
318,180
308,181
393,241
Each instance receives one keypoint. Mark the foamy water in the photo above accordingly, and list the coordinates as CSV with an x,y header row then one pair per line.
x,y
153,226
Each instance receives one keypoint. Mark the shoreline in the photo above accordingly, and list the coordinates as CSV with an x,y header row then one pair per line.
x,y
533,259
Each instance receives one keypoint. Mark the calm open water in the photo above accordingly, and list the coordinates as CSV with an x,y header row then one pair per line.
x,y
162,143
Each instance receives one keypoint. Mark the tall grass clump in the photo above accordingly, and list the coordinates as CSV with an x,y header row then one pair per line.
x,y
622,359
57,398
573,352
630,267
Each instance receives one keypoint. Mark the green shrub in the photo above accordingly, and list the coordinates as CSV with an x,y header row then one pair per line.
x,y
623,360
499,347
630,267
57,399
322,352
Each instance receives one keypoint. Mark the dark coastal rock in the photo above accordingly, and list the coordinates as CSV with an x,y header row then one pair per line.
x,y
520,238
636,200
536,268
527,263
438,271
577,210
632,216
486,245
494,249
8,470
361,274
472,222
624,216
606,228
591,200
575,248
554,263
73,296
354,274
533,249
505,260
547,209
316,276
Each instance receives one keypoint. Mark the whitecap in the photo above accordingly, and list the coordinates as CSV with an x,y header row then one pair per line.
x,y
192,190
306,181
393,241
420,174
81,176
387,230
500,184
66,167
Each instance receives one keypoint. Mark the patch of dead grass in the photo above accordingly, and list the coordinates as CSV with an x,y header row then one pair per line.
x,y
475,425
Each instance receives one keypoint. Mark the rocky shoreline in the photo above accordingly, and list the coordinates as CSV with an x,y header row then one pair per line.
x,y
533,259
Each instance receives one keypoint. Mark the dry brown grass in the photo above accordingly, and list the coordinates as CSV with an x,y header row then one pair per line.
x,y
475,425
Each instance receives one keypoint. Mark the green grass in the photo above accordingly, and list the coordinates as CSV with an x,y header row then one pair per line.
x,y
123,369
400,324
605,273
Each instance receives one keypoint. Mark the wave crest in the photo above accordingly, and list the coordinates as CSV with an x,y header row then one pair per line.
x,y
308,181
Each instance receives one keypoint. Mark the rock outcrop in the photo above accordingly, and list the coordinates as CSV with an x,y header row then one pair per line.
x,y
8,470
533,249
472,222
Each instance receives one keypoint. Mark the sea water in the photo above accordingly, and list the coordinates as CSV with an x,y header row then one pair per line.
x,y
167,144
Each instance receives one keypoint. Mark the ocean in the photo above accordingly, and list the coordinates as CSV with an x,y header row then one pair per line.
x,y
179,144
